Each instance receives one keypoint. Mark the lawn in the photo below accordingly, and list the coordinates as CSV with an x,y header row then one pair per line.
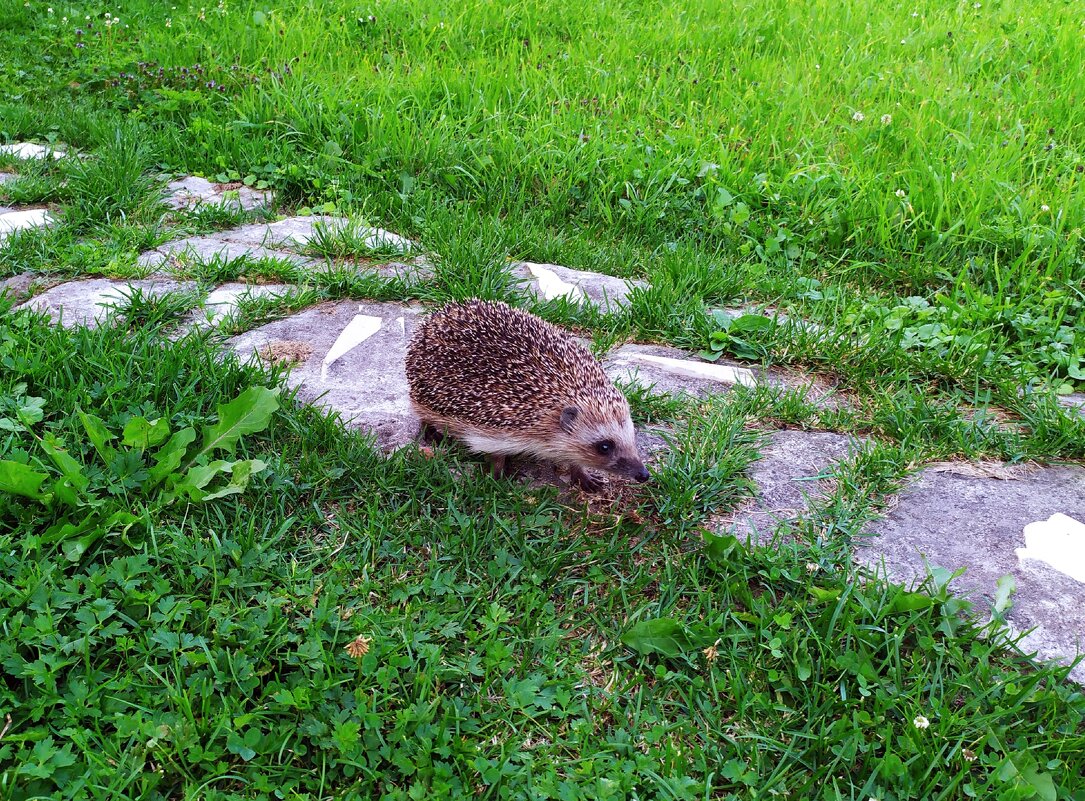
x,y
906,178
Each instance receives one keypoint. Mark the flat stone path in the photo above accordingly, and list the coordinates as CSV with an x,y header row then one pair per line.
x,y
347,357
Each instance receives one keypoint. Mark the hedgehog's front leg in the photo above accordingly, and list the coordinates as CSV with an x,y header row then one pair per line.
x,y
585,480
432,435
499,465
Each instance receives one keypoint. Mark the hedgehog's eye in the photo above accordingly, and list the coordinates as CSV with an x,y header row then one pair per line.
x,y
604,447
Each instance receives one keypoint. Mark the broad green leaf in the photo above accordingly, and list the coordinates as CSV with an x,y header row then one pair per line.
x,y
69,467
909,602
199,477
168,458
663,635
248,413
240,473
99,436
20,479
74,549
1004,590
1040,783
141,434
720,548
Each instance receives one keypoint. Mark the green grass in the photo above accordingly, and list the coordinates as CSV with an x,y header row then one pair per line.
x,y
524,643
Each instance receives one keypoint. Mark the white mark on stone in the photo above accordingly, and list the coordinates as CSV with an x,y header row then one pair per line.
x,y
357,331
20,220
402,323
551,286
721,373
1059,542
28,150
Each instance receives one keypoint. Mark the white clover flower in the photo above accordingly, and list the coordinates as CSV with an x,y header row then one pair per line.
x,y
858,116
901,193
920,722
49,10
1045,208
169,22
812,567
887,119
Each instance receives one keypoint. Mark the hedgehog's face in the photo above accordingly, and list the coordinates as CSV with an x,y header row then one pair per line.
x,y
602,443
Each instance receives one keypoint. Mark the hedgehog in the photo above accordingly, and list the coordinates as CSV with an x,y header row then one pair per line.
x,y
506,383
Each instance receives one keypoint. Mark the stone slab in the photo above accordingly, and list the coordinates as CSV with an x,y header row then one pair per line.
x,y
21,220
186,193
348,357
955,517
674,371
224,300
1074,403
88,302
208,248
549,281
794,468
22,286
29,150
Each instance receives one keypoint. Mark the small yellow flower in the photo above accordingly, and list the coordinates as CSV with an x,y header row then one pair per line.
x,y
920,722
359,646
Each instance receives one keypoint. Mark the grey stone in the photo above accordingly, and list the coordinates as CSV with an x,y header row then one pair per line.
x,y
192,191
674,371
965,517
549,281
225,299
794,468
1074,403
29,150
88,302
23,219
211,247
349,358
24,285
7,176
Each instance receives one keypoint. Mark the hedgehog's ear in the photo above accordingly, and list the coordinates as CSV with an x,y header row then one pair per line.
x,y
568,418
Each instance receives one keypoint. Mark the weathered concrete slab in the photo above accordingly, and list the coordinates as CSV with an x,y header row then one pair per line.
x,y
88,302
794,468
29,150
192,191
1075,403
209,248
21,220
674,371
349,357
224,300
977,522
550,281
22,286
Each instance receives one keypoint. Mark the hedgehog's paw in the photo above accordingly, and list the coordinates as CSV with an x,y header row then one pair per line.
x,y
431,435
499,465
585,480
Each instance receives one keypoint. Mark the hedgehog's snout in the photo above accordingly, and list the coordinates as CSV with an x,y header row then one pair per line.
x,y
631,468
